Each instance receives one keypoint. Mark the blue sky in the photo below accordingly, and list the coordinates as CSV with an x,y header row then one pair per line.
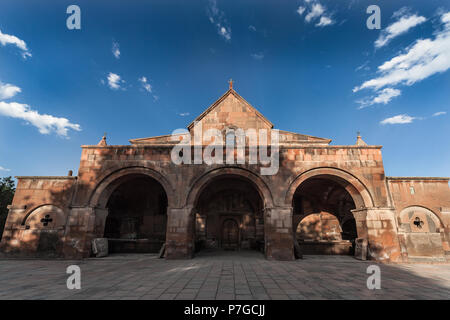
x,y
311,67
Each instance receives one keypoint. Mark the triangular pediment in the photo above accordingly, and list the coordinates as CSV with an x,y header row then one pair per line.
x,y
231,111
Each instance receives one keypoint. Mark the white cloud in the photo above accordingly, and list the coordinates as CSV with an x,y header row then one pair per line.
x,y
364,67
421,60
315,10
116,50
8,90
114,81
147,87
440,113
401,12
44,122
184,114
217,18
4,169
225,32
397,28
324,21
300,10
10,39
257,56
386,95
399,119
252,28
383,96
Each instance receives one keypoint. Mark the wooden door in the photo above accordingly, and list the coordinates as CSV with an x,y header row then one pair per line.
x,y
230,235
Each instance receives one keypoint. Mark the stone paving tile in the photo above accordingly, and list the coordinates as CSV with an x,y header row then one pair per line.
x,y
223,276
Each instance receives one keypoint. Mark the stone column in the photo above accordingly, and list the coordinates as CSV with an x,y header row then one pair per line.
x,y
379,227
278,233
79,233
180,233
360,219
445,213
100,222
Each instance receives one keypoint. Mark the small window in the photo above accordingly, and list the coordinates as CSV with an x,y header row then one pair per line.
x,y
230,138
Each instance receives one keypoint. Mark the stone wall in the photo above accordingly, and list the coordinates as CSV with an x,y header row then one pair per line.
x,y
362,163
37,217
422,211
359,169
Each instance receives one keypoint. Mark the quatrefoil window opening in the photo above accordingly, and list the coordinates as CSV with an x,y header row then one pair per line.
x,y
46,220
418,222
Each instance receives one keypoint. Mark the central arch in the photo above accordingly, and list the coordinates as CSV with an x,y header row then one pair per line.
x,y
228,210
260,185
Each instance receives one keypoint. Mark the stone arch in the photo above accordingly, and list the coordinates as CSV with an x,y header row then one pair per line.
x,y
434,222
228,193
334,191
44,231
421,234
358,191
33,219
260,185
108,184
137,224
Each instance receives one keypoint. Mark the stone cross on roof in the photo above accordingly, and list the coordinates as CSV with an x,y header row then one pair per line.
x,y
230,82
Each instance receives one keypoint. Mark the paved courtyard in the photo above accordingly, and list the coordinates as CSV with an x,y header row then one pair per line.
x,y
220,275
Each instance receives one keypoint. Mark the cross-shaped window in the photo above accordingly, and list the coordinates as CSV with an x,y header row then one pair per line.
x,y
418,223
45,221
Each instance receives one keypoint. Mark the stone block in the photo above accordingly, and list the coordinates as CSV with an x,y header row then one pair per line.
x,y
100,247
361,249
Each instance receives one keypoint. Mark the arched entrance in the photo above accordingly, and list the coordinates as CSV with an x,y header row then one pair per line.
x,y
229,215
136,217
322,215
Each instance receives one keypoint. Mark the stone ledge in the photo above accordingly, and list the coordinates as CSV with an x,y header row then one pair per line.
x,y
48,177
308,145
419,178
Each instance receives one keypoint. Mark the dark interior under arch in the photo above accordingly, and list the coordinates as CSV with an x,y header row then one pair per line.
x,y
322,218
229,216
137,216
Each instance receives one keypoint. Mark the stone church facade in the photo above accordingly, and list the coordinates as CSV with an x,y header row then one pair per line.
x,y
323,197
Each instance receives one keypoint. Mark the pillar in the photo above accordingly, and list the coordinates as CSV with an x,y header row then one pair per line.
x,y
379,227
180,233
279,238
79,233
